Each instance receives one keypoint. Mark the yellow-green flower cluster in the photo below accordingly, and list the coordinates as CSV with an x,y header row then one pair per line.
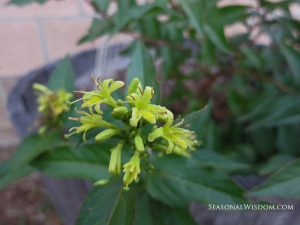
x,y
139,113
52,105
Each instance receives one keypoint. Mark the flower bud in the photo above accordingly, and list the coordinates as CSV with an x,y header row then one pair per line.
x,y
106,134
101,182
138,142
120,111
115,159
119,102
133,85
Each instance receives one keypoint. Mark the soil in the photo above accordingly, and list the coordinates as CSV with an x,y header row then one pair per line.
x,y
25,202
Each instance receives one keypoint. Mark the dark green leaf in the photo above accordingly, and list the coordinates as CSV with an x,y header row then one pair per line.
x,y
63,76
199,126
6,177
264,140
192,116
233,13
98,28
285,182
177,181
125,5
194,11
213,136
214,30
28,150
216,160
101,5
152,212
142,67
89,161
292,57
25,2
274,163
254,58
288,141
109,205
123,18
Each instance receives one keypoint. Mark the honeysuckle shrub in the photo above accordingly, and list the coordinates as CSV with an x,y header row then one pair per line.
x,y
238,95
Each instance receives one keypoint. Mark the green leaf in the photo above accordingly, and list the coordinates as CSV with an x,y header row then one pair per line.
x,y
292,57
264,140
100,5
254,58
214,30
98,28
274,163
28,150
109,205
285,182
233,13
62,76
25,2
152,212
6,177
216,160
192,116
123,18
177,181
199,126
142,67
213,136
89,161
125,5
194,11
288,140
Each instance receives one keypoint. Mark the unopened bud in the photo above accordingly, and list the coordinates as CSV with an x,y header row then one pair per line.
x,y
119,102
160,147
138,142
126,188
133,86
115,159
122,110
69,103
106,134
101,182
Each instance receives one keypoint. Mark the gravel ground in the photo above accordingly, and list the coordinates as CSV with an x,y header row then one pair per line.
x,y
25,202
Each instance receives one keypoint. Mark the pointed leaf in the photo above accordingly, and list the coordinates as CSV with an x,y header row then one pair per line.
x,y
211,158
63,76
274,163
109,205
285,182
292,57
193,10
177,181
152,212
142,67
89,161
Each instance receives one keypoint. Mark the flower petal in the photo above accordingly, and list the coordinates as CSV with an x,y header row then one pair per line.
x,y
136,116
106,84
115,85
147,96
170,147
159,132
149,117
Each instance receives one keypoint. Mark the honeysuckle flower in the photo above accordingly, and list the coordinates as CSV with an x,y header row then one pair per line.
x,y
89,121
132,169
173,134
142,107
115,159
103,95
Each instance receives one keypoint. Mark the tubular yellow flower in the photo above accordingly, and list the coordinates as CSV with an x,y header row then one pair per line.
x,y
103,95
132,169
173,135
142,107
115,159
89,121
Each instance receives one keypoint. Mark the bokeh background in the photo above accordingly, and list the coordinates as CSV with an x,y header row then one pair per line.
x,y
31,37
